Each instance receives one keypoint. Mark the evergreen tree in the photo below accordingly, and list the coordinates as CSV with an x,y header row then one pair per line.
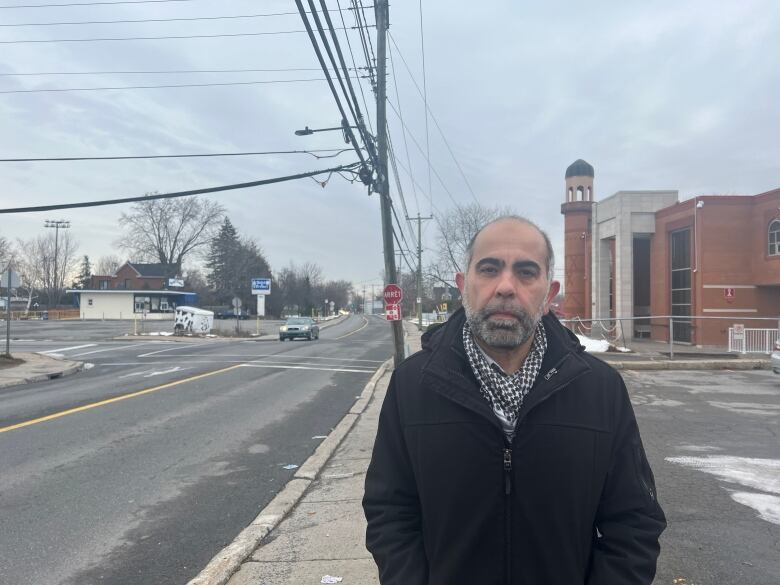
x,y
85,274
222,260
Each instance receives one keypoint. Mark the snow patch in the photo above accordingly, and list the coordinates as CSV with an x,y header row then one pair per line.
x,y
759,474
748,407
593,345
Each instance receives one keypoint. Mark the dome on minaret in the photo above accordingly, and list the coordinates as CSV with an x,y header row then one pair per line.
x,y
579,168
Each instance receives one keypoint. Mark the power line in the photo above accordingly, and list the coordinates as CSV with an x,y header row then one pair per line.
x,y
147,20
433,117
166,86
403,129
351,96
364,40
177,194
425,99
337,152
166,71
94,3
326,71
391,152
167,37
354,64
430,166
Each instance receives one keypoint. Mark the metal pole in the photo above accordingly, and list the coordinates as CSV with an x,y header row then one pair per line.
x,y
56,241
671,338
8,315
419,271
383,185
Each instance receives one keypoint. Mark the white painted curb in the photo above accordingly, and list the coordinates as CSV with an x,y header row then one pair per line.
x,y
222,567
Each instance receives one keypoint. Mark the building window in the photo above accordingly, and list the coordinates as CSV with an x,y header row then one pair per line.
x,y
152,303
103,285
680,256
89,302
774,238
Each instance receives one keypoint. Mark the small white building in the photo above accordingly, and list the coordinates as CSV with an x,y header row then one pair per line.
x,y
130,304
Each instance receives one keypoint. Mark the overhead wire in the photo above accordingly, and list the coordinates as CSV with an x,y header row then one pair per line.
x,y
159,38
325,70
162,86
433,117
364,42
403,129
391,153
354,64
162,71
425,91
349,90
337,151
148,20
93,3
177,194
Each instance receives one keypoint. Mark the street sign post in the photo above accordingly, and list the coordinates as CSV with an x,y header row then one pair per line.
x,y
393,294
261,287
393,312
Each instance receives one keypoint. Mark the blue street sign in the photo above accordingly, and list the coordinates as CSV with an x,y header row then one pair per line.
x,y
261,285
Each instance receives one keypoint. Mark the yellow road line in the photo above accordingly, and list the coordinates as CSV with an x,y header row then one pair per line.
x,y
365,322
112,400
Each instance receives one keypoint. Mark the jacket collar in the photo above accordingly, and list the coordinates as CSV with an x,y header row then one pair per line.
x,y
448,364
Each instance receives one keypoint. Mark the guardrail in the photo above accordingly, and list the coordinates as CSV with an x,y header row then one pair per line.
x,y
54,315
614,331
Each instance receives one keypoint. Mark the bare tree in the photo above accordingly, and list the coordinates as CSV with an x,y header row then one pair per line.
x,y
5,252
26,259
169,230
107,265
456,229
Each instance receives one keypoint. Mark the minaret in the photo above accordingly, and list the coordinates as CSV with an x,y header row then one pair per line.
x,y
577,239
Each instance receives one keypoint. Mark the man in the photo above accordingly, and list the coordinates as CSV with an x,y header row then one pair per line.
x,y
506,454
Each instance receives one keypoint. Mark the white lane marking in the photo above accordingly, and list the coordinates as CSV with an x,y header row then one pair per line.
x,y
161,351
275,356
365,322
151,373
102,350
290,367
68,348
759,474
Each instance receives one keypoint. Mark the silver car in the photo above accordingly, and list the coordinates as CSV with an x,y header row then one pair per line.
x,y
776,358
304,327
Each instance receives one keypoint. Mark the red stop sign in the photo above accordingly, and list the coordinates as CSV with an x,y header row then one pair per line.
x,y
393,294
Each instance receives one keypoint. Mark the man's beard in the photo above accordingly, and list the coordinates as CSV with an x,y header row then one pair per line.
x,y
505,333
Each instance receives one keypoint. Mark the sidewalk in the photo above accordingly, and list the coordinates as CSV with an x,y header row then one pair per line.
x,y
324,534
37,368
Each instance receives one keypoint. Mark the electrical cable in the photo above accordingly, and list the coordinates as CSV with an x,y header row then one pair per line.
x,y
391,152
320,58
364,42
167,37
403,129
425,99
433,117
354,65
94,3
147,20
352,96
191,192
164,72
337,151
164,86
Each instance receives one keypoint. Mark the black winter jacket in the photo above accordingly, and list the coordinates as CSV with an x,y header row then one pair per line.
x,y
570,502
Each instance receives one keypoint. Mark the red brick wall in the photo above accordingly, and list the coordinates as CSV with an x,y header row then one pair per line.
x,y
576,302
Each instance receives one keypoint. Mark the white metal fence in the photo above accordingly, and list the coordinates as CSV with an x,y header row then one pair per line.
x,y
743,340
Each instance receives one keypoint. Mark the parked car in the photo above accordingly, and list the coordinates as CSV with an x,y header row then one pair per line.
x,y
232,314
776,358
304,327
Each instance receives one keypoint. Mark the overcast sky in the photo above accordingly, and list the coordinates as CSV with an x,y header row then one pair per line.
x,y
665,95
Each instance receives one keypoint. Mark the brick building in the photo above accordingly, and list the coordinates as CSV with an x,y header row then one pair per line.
x,y
132,275
644,253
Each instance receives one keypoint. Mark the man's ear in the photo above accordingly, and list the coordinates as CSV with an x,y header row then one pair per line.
x,y
460,280
555,288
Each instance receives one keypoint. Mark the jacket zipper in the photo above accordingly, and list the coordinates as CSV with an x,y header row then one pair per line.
x,y
508,512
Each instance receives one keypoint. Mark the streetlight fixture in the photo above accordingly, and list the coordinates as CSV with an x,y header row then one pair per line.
x,y
57,224
344,127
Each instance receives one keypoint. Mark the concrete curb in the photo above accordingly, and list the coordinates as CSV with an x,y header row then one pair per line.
x,y
70,367
222,567
741,364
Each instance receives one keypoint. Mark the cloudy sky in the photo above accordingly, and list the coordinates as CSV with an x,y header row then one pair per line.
x,y
664,95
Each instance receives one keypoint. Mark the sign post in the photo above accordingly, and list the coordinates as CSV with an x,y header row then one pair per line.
x,y
11,280
261,287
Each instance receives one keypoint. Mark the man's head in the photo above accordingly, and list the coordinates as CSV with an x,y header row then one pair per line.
x,y
508,281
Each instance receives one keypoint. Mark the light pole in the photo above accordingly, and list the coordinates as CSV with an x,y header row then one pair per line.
x,y
57,224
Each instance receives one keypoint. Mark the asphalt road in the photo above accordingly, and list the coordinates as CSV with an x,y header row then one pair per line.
x,y
713,440
172,449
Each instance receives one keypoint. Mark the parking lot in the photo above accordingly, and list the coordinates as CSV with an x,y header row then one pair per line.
x,y
712,439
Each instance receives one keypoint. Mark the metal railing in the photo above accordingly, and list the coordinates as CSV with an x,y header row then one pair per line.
x,y
54,314
619,331
744,340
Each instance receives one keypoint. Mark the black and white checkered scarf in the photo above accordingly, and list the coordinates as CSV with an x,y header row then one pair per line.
x,y
505,392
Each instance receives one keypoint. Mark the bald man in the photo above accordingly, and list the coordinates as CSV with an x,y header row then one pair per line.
x,y
506,454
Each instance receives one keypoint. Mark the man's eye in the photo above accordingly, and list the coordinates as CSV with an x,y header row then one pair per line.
x,y
527,273
487,270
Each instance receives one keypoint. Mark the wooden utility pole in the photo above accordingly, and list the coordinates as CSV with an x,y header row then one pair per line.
x,y
382,184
